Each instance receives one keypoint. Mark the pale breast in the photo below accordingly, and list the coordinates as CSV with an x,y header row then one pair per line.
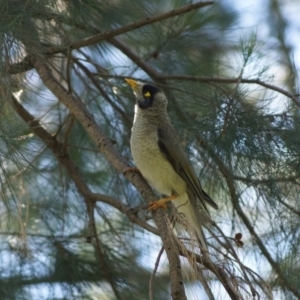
x,y
152,163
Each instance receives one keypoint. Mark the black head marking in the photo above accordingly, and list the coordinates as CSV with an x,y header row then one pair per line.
x,y
148,91
150,88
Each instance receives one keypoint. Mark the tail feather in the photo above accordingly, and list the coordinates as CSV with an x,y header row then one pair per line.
x,y
192,215
210,201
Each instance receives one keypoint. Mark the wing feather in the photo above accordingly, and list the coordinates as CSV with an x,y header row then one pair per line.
x,y
169,144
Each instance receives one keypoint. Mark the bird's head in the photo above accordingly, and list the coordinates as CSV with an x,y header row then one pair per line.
x,y
149,98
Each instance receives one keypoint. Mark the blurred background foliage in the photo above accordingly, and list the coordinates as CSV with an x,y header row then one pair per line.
x,y
242,138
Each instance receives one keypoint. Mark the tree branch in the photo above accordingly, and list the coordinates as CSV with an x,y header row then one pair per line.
x,y
129,27
107,149
233,80
25,64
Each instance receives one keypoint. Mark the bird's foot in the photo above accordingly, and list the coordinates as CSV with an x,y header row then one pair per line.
x,y
160,203
132,170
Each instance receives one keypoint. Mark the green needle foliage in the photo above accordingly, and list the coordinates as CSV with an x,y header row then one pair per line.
x,y
67,212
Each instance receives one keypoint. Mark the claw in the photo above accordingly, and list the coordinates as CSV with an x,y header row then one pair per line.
x,y
160,203
155,205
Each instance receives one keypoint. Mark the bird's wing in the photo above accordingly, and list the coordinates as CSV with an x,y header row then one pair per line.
x,y
169,144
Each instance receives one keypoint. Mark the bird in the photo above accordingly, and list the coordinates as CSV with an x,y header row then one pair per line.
x,y
157,152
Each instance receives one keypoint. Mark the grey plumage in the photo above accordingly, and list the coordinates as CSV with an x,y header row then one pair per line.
x,y
158,155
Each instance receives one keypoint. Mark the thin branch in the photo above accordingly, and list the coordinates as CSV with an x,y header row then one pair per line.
x,y
154,272
68,73
234,254
233,80
295,211
161,79
265,180
26,65
129,27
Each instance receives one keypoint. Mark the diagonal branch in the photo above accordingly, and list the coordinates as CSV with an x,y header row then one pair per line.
x,y
107,149
25,64
129,27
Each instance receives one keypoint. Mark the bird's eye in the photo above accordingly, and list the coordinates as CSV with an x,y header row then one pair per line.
x,y
147,94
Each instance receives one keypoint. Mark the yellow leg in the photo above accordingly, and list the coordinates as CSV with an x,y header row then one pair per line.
x,y
161,203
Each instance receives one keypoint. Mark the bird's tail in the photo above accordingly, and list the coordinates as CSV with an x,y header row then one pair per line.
x,y
193,219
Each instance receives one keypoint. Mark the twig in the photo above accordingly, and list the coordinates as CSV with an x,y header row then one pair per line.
x,y
279,26
68,131
68,73
229,108
91,236
154,272
265,180
229,246
107,271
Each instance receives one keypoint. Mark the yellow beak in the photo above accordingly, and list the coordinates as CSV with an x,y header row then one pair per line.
x,y
132,83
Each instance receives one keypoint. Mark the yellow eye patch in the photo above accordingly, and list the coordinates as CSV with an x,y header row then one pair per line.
x,y
147,94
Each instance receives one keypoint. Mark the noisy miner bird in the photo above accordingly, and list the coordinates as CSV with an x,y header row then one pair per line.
x,y
158,155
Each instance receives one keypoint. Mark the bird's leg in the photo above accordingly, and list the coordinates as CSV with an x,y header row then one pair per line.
x,y
161,203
